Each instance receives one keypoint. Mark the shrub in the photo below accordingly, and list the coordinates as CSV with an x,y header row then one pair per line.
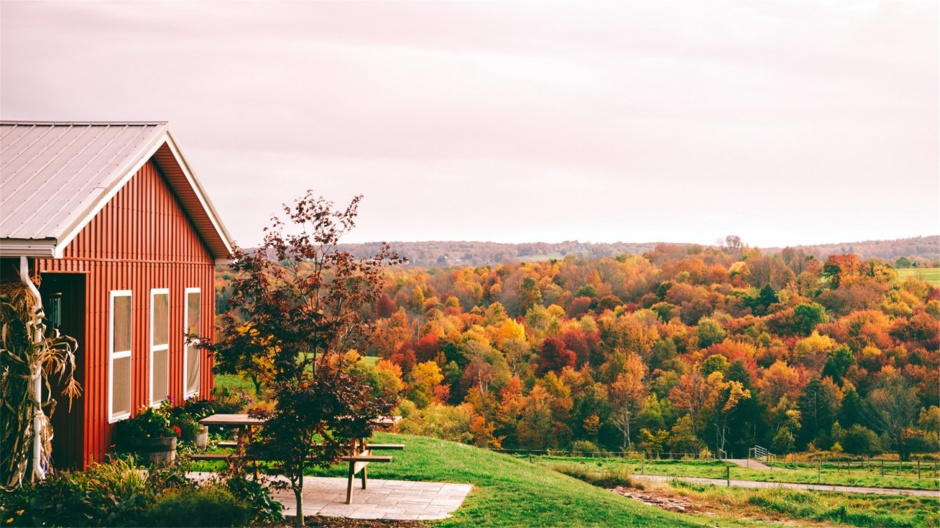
x,y
186,415
212,505
860,440
115,493
584,447
119,493
263,508
228,401
149,422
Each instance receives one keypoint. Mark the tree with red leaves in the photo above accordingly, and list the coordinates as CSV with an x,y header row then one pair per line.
x,y
303,300
553,356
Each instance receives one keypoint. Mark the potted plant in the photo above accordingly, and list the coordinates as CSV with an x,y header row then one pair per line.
x,y
150,435
186,416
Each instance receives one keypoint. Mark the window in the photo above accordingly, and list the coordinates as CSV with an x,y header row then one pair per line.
x,y
191,359
159,345
119,354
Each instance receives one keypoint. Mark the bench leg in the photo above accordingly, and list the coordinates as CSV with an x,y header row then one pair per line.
x,y
364,476
352,468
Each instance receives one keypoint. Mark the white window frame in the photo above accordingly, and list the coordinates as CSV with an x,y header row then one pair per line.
x,y
156,399
186,292
112,355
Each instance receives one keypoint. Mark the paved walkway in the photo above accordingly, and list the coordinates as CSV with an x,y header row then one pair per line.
x,y
791,485
382,499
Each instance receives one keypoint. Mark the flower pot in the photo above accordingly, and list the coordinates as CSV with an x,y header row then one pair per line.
x,y
202,438
159,451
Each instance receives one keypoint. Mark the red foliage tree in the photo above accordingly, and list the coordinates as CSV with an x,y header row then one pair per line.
x,y
553,357
427,348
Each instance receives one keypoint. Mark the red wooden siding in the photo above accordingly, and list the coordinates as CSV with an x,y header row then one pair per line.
x,y
140,240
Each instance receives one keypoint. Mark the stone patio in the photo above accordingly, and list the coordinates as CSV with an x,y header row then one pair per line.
x,y
383,499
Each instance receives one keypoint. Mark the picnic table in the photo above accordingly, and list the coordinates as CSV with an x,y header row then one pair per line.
x,y
360,453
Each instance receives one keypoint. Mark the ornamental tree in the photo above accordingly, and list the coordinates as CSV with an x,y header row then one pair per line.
x,y
303,301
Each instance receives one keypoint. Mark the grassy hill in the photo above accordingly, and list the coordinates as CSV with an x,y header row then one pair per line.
x,y
509,491
931,275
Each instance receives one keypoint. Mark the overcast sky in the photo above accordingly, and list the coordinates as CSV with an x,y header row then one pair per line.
x,y
783,122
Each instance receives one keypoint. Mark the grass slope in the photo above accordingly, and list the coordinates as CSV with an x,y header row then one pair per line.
x,y
930,275
511,492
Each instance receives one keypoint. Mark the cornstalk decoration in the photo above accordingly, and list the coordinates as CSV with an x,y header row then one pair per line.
x,y
27,359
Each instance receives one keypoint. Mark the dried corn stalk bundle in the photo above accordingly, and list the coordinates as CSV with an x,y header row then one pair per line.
x,y
25,353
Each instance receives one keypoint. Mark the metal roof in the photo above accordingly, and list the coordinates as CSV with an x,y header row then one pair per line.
x,y
55,176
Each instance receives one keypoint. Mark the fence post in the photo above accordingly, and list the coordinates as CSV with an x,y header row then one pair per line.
x,y
728,475
918,468
819,470
643,464
882,467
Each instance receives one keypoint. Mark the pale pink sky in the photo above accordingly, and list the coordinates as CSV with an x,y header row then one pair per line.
x,y
784,122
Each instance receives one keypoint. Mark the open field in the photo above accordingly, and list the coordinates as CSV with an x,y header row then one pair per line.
x,y
930,275
745,507
829,473
734,506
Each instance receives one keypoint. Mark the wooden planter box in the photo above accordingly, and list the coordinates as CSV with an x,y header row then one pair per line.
x,y
159,451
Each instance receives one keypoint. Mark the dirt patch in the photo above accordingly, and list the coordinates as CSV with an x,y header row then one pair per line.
x,y
658,498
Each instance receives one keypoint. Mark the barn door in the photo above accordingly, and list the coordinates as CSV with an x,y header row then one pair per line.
x,y
68,426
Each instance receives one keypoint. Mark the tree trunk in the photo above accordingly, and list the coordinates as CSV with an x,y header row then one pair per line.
x,y
299,497
629,441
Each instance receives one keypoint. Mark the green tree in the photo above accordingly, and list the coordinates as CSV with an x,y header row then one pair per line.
x,y
709,332
892,408
806,316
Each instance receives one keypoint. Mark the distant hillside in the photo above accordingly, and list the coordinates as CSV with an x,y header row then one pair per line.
x,y
920,250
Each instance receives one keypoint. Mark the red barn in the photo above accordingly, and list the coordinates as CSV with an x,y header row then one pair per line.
x,y
115,224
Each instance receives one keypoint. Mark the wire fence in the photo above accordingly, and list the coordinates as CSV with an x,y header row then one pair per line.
x,y
575,453
841,468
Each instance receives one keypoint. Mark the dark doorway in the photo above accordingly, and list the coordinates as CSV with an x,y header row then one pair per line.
x,y
68,425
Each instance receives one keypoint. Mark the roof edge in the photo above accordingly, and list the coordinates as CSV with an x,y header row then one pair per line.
x,y
12,247
82,123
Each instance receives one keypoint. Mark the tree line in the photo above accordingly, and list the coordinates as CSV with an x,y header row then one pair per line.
x,y
681,348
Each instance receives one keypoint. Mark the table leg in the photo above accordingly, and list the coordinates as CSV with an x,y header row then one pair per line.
x,y
349,484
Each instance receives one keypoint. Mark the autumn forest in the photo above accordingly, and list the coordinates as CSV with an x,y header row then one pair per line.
x,y
675,350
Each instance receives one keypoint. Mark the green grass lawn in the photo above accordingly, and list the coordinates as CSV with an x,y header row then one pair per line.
x,y
509,491
233,383
830,474
930,275
371,360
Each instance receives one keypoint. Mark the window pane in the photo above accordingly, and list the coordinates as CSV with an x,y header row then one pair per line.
x,y
192,369
122,323
192,313
193,326
161,318
161,375
121,396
